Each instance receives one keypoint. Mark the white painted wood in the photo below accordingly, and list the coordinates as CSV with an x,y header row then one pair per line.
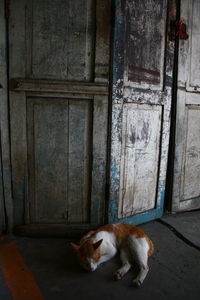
x,y
186,187
141,130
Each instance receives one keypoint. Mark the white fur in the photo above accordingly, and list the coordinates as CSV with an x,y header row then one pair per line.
x,y
139,250
135,250
108,247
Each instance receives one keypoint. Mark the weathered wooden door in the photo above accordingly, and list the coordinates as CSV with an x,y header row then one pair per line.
x,y
142,70
59,65
186,189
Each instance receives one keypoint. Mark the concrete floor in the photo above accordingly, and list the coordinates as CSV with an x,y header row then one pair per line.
x,y
174,269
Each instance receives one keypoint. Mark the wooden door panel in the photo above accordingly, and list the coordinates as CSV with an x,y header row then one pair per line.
x,y
53,31
58,109
59,149
141,131
186,192
143,64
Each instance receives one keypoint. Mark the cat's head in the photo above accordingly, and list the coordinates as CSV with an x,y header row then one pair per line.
x,y
88,254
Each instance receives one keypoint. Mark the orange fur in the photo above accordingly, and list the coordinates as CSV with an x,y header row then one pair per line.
x,y
122,231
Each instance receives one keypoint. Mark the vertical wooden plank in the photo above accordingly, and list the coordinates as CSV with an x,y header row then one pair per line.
x,y
17,45
17,69
4,120
117,107
79,161
18,153
103,30
90,45
2,199
100,126
48,143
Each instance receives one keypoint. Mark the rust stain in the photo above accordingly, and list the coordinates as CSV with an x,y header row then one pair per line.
x,y
18,277
144,70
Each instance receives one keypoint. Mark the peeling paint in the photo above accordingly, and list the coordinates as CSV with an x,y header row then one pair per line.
x,y
129,93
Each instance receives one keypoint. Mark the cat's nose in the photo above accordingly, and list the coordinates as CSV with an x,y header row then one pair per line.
x,y
88,267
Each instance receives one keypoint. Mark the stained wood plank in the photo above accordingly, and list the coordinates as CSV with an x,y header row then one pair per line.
x,y
98,192
79,160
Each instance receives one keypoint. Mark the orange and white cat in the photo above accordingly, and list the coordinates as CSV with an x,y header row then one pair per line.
x,y
101,245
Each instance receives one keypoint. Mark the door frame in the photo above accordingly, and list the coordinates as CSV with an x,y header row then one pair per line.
x,y
4,121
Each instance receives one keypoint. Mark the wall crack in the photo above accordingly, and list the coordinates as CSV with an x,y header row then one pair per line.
x,y
179,235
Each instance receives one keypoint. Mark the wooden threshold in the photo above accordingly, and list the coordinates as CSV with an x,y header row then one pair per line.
x,y
54,230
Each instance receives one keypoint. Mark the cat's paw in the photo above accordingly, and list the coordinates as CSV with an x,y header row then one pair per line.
x,y
117,275
137,282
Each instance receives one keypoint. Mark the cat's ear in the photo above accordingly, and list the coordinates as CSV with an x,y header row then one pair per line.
x,y
74,246
97,244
